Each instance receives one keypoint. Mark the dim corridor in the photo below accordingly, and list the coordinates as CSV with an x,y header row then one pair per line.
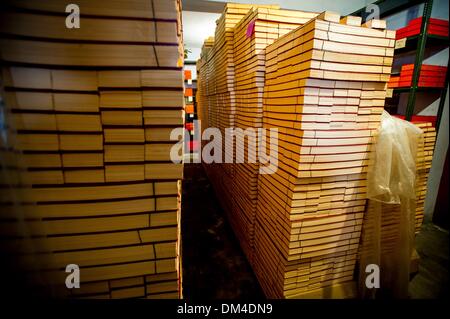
x,y
214,266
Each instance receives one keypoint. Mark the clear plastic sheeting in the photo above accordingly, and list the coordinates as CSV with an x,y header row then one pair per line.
x,y
389,222
393,173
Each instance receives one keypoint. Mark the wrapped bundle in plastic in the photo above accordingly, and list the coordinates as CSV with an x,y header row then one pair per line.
x,y
389,223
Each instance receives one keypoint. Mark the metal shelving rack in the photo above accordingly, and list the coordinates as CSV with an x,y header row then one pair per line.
x,y
190,118
418,43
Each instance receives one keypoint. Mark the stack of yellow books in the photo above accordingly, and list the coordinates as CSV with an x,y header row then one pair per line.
x,y
423,168
217,71
256,30
90,111
324,90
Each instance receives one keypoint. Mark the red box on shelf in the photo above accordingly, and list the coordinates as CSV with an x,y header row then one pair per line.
x,y
439,22
420,118
188,92
430,76
189,108
423,78
393,82
187,74
424,73
189,126
435,27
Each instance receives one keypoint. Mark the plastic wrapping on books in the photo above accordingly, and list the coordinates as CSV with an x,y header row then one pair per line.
x,y
389,224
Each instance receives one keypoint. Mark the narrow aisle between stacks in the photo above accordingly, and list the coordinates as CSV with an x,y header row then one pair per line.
x,y
216,268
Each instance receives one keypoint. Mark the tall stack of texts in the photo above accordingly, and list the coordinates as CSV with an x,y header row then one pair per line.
x,y
218,71
203,84
91,110
254,32
425,157
324,90
223,65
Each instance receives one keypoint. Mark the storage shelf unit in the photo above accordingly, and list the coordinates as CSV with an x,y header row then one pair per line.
x,y
190,86
418,43
412,42
419,89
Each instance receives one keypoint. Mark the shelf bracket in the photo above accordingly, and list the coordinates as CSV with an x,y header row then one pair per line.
x,y
419,59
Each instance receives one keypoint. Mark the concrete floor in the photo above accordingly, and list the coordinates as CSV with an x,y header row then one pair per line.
x,y
214,266
432,245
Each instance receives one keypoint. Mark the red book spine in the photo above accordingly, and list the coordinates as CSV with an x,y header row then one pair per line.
x,y
435,27
440,22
